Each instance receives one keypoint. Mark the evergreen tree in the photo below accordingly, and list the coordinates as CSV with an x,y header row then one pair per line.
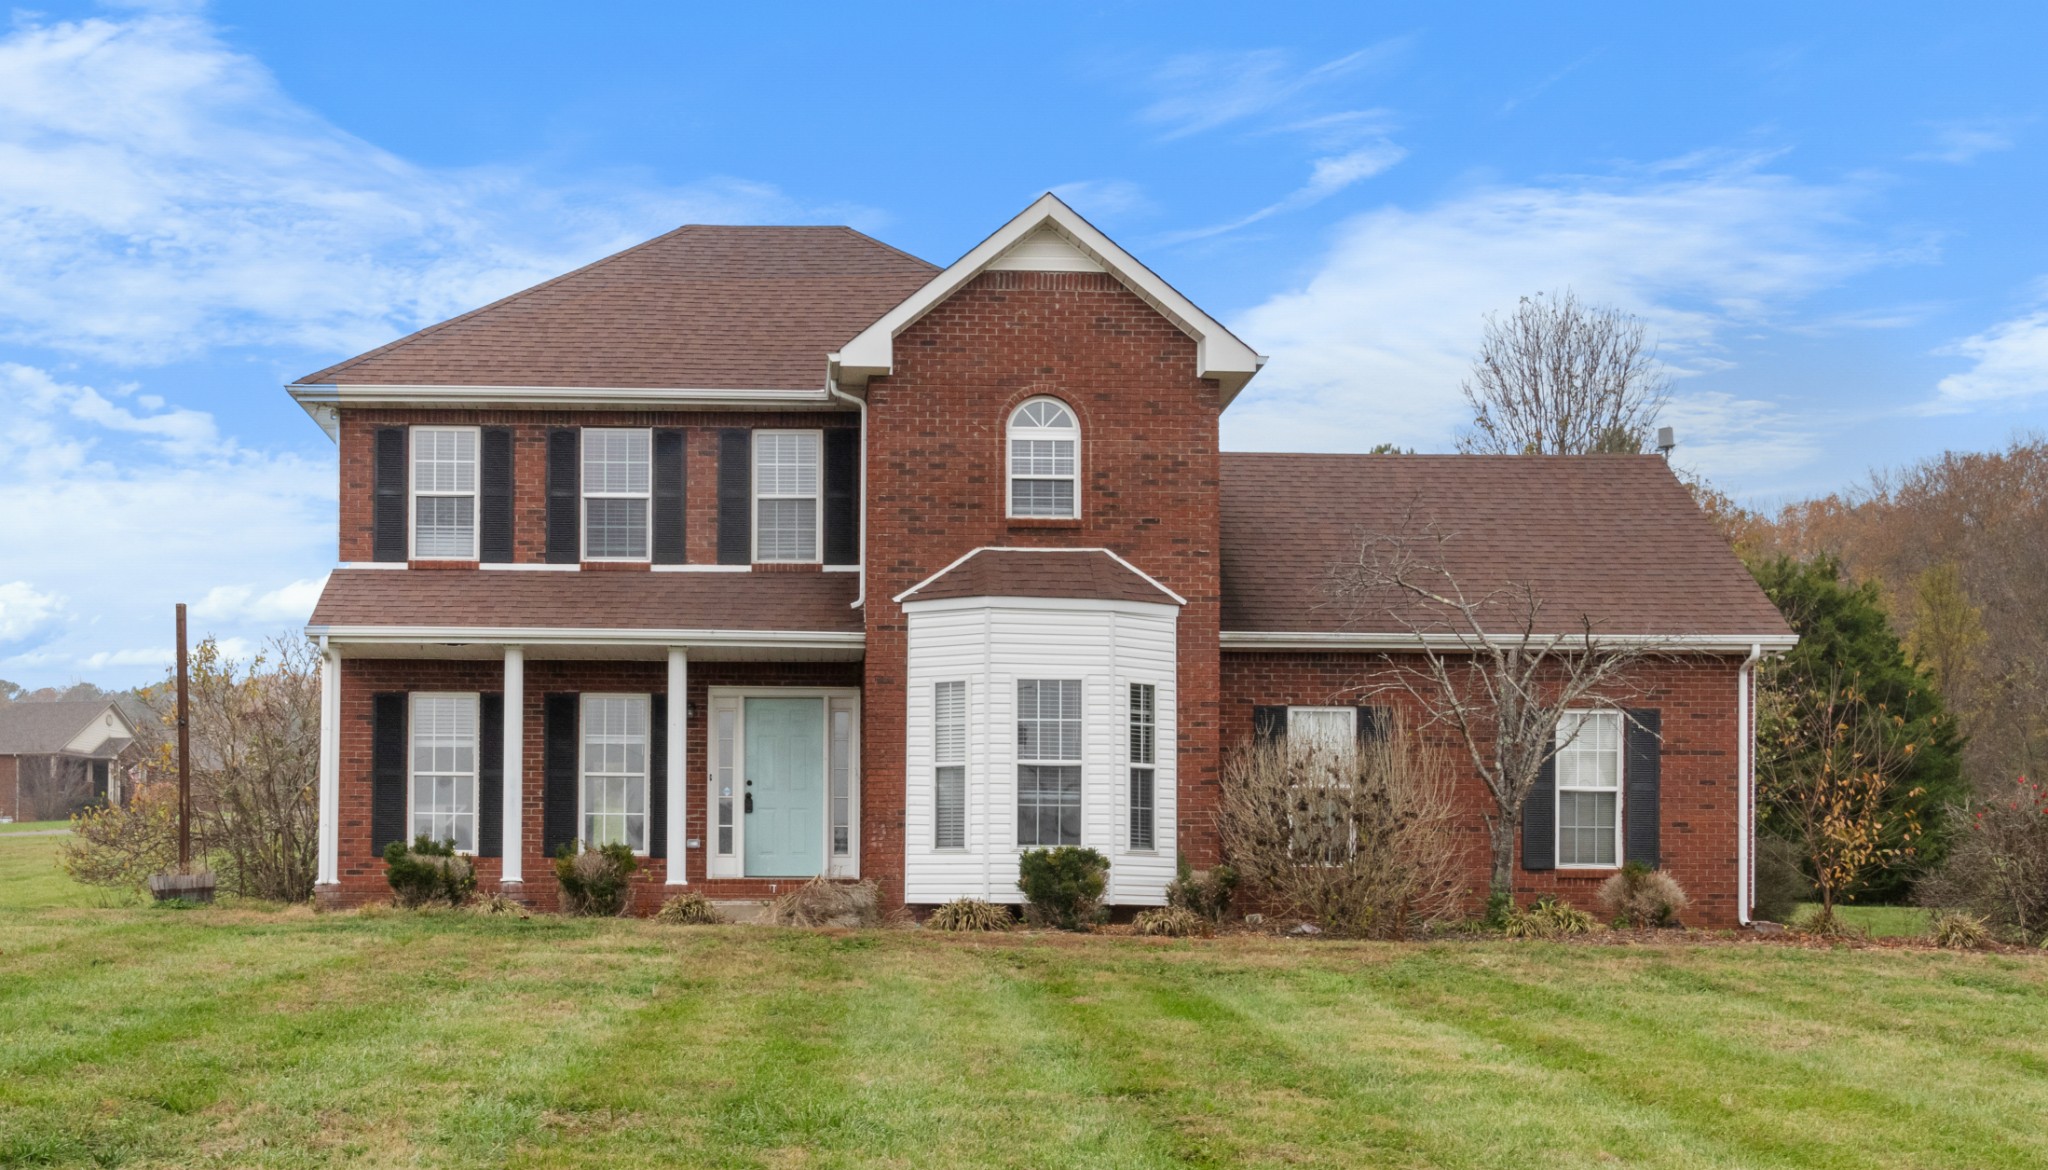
x,y
1844,635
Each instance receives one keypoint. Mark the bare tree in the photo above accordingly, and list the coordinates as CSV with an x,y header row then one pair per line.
x,y
1559,378
1489,667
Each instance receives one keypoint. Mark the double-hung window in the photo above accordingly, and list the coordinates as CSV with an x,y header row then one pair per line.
x,y
1144,752
786,480
1045,455
949,765
617,472
1589,747
615,770
444,756
1048,762
444,493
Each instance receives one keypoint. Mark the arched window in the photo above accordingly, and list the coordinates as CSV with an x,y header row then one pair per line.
x,y
1045,457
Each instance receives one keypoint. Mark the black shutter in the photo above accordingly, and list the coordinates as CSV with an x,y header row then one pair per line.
x,y
657,777
490,776
1374,724
842,496
1539,820
735,489
565,490
670,475
494,497
1643,743
388,507
387,770
1269,724
558,772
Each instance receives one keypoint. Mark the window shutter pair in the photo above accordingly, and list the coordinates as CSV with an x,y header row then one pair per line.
x,y
389,510
1269,724
1641,781
839,507
388,747
667,511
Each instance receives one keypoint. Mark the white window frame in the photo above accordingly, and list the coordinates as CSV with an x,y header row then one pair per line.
x,y
1012,432
943,759
413,492
1346,749
727,761
475,775
1618,791
1078,762
1134,764
583,504
817,498
646,778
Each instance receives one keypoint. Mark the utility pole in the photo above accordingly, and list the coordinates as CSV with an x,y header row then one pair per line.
x,y
184,756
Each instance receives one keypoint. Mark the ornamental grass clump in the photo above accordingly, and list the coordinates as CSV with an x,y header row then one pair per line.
x,y
1549,918
596,883
824,902
1172,922
1958,930
1062,886
1641,897
690,909
428,872
970,914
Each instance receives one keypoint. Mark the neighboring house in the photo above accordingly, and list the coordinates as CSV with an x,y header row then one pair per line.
x,y
777,552
57,758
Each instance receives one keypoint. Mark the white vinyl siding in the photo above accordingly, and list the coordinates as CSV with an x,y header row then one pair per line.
x,y
949,770
615,770
617,476
1142,746
1106,646
1589,765
444,766
1324,731
444,493
786,489
1044,459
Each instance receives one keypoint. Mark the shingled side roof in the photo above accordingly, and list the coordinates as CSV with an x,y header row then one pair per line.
x,y
1086,573
386,599
33,728
703,307
1616,539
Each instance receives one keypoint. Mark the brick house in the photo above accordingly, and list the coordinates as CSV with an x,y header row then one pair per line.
x,y
58,758
777,552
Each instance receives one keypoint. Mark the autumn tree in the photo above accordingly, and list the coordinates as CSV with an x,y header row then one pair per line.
x,y
1556,377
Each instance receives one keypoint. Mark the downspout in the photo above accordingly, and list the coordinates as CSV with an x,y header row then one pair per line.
x,y
1745,782
832,387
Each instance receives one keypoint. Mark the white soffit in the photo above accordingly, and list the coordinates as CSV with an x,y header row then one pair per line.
x,y
1041,239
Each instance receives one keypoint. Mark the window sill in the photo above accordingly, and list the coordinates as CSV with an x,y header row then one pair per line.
x,y
616,566
1029,523
419,564
788,567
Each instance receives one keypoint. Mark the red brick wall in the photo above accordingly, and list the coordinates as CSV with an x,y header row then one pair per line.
x,y
362,871
10,768
936,489
529,463
1698,773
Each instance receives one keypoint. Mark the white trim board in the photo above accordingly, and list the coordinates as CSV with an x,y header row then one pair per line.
x,y
1693,643
1218,352
322,400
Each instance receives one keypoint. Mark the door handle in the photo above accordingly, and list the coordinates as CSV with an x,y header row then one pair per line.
x,y
750,802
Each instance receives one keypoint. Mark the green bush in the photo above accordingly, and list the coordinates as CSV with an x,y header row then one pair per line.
x,y
1062,886
689,909
969,914
596,882
1206,892
1549,918
1172,922
428,871
1639,896
1781,885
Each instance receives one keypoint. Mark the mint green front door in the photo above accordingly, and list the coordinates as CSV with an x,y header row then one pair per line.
x,y
785,787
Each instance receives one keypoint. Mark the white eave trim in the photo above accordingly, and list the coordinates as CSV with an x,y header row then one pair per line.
x,y
1218,352
1677,643
963,558
558,636
322,400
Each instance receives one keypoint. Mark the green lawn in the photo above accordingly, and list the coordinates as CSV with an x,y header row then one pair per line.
x,y
1876,921
32,826
243,1037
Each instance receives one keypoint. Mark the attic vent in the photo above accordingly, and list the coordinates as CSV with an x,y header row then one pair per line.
x,y
1044,250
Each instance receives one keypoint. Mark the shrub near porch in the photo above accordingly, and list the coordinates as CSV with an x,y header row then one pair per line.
x,y
442,1038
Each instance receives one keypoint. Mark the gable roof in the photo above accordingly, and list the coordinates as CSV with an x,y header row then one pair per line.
x,y
31,728
1613,538
1092,574
1218,352
703,307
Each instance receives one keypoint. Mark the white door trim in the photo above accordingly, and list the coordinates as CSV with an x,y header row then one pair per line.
x,y
721,699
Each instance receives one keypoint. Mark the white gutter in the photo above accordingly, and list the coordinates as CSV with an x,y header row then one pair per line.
x,y
322,400
832,388
558,636
1745,785
1310,640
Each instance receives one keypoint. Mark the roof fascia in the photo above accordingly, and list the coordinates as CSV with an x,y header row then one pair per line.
x,y
1391,641
969,555
323,401
1219,354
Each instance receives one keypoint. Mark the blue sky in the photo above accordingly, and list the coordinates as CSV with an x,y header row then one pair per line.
x,y
1828,213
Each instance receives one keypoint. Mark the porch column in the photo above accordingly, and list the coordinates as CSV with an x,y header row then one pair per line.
x,y
329,870
678,772
511,871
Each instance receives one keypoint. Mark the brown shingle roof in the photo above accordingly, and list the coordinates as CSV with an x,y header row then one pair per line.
x,y
703,307
1613,538
1076,573
37,728
475,598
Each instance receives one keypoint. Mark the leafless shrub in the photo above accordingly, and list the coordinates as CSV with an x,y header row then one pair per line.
x,y
1640,896
690,909
1362,844
1998,870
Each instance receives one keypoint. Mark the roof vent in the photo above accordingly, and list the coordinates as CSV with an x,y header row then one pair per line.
x,y
1666,440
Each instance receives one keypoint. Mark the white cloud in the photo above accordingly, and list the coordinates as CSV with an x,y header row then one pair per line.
x,y
1105,198
25,609
1373,347
1202,91
160,193
1963,141
1326,177
1740,438
2011,366
287,604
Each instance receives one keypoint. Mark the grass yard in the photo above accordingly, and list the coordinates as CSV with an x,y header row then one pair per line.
x,y
232,1036
1876,921
32,826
